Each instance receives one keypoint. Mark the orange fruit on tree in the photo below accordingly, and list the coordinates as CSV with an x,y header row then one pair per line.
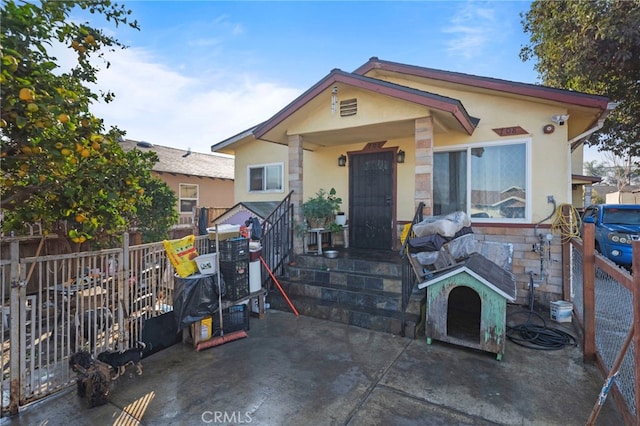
x,y
85,122
64,118
26,94
65,151
32,107
80,218
85,153
95,145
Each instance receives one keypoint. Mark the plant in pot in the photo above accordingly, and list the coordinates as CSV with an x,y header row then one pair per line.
x,y
320,209
341,218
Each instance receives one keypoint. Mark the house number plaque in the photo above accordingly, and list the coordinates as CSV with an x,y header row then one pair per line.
x,y
510,131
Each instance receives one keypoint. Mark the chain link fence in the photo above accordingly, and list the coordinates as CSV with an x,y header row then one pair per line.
x,y
613,320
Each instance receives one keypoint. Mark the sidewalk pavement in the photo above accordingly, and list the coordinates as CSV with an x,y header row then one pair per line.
x,y
305,371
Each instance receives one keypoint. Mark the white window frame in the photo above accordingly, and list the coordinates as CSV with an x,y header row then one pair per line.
x,y
264,166
528,176
180,197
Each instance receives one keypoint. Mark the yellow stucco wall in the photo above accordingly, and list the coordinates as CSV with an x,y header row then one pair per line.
x,y
550,159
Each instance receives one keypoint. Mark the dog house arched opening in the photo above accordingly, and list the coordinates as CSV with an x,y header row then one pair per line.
x,y
464,309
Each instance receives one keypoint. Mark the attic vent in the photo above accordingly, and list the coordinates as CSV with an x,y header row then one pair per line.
x,y
143,144
348,107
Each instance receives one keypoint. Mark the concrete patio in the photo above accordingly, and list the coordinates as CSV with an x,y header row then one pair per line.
x,y
304,371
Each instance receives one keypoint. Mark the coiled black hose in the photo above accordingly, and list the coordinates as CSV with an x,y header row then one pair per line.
x,y
536,336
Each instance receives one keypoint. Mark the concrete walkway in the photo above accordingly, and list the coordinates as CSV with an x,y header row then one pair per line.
x,y
304,371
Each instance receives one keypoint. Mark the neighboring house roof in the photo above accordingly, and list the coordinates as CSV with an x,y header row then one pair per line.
x,y
585,180
238,214
493,198
178,161
490,274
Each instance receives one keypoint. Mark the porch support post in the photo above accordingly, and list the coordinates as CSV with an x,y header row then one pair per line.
x,y
424,164
296,185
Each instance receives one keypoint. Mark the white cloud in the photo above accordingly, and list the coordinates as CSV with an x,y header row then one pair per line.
x,y
160,105
472,30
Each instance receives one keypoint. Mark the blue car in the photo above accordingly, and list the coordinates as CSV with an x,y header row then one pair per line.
x,y
616,226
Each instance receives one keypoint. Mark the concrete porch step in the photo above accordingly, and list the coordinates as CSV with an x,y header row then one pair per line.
x,y
388,321
361,289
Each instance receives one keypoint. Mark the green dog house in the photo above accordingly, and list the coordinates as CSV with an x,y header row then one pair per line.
x,y
466,304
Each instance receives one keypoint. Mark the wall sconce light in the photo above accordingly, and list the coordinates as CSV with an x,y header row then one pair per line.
x,y
342,160
400,156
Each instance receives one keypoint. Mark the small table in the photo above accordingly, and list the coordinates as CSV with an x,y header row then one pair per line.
x,y
316,234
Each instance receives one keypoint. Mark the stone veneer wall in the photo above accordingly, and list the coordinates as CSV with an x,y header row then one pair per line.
x,y
547,288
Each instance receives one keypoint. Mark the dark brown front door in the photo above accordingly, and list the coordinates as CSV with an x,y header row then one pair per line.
x,y
371,177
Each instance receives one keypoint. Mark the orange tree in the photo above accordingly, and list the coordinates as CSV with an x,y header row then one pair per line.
x,y
59,166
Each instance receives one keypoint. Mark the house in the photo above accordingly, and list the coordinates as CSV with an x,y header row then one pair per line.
x,y
630,194
507,153
199,180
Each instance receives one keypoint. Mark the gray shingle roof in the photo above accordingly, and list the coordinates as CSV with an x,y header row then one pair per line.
x,y
173,160
492,275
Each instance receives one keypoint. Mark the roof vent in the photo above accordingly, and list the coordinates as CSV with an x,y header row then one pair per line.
x,y
348,107
143,144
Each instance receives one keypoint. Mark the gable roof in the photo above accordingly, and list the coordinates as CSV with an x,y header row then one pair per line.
x,y
178,161
430,100
491,275
377,66
374,76
238,214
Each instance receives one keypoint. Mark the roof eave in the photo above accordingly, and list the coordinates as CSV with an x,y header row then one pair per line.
x,y
523,89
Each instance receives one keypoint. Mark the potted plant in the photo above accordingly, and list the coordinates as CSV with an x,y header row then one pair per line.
x,y
320,209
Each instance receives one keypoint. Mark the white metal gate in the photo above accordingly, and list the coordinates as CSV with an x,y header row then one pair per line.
x,y
58,304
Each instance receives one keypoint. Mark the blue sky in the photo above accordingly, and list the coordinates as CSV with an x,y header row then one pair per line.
x,y
201,71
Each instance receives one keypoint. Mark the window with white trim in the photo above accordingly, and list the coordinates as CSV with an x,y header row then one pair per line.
x,y
266,178
487,181
188,197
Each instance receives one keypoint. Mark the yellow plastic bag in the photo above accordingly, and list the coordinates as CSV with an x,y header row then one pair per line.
x,y
182,253
405,232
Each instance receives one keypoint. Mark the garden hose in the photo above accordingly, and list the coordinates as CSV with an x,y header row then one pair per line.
x,y
536,336
541,337
567,226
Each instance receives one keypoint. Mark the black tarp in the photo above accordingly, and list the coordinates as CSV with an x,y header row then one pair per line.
x,y
159,333
195,298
